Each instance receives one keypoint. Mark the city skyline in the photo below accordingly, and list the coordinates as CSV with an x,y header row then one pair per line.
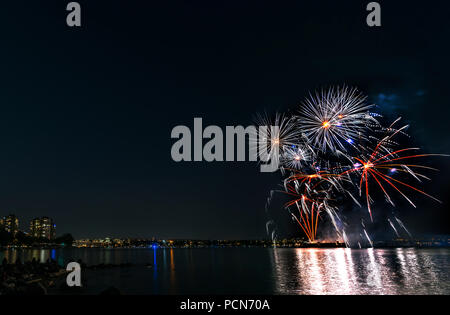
x,y
39,227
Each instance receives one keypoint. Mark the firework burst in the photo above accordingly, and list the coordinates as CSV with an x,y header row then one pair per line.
x,y
381,166
333,120
294,157
332,151
275,136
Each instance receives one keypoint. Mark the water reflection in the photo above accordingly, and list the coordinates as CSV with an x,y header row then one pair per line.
x,y
41,255
257,270
365,271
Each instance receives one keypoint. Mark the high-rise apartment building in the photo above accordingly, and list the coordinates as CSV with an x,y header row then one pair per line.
x,y
10,223
43,228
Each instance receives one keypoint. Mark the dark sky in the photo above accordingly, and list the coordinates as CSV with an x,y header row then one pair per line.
x,y
86,114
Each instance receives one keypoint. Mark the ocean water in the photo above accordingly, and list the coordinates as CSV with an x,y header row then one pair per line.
x,y
257,270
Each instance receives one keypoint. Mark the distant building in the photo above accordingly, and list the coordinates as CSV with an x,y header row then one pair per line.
x,y
43,228
10,223
35,227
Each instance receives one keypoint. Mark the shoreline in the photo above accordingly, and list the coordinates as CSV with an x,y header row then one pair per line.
x,y
312,246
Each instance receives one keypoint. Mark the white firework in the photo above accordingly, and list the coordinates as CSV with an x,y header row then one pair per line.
x,y
275,136
294,157
336,119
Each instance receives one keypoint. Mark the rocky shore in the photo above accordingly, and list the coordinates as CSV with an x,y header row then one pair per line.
x,y
31,277
35,278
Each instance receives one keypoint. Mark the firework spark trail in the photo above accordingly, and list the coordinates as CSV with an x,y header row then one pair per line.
x,y
403,226
368,238
308,218
331,151
393,227
371,168
344,236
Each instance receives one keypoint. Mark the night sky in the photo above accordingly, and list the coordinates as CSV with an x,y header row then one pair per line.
x,y
86,113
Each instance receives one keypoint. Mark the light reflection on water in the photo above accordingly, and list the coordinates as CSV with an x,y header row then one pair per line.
x,y
365,271
258,270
